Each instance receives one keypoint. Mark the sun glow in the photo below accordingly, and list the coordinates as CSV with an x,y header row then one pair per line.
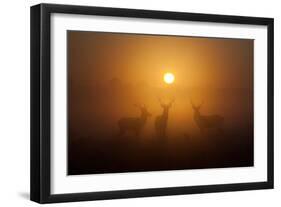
x,y
169,78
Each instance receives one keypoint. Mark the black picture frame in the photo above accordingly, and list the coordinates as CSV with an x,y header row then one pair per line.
x,y
41,98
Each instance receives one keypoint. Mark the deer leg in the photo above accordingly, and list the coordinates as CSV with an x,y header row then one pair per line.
x,y
161,134
121,132
202,130
220,130
164,134
137,133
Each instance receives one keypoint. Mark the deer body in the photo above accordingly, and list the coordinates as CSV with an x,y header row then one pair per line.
x,y
161,121
212,121
134,124
207,121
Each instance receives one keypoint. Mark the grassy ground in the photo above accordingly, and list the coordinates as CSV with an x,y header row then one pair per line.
x,y
89,155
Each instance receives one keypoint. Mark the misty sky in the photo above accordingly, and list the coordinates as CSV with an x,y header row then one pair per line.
x,y
196,62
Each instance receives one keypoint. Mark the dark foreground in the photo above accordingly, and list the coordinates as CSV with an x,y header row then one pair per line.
x,y
131,154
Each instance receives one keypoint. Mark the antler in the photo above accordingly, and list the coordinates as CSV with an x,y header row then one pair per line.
x,y
200,104
172,101
191,102
193,105
160,101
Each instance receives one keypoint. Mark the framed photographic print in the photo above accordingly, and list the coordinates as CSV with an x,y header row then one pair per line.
x,y
132,103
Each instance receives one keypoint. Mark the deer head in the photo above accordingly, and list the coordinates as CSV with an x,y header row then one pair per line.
x,y
196,108
166,106
144,112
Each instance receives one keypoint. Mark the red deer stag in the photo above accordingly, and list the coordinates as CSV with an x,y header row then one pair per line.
x,y
206,122
161,121
134,124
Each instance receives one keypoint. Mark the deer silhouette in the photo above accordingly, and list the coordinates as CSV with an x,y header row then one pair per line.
x,y
206,122
161,121
134,124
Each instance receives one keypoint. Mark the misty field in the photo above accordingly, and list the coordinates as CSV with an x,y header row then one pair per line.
x,y
95,145
140,102
89,155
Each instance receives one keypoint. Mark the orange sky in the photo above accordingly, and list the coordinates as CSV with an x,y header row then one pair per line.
x,y
196,62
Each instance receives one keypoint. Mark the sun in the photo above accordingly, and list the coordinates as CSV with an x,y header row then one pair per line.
x,y
169,78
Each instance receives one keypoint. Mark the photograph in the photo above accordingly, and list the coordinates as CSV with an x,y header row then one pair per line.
x,y
153,102
128,103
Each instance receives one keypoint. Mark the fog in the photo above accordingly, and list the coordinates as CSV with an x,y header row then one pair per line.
x,y
109,74
106,103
